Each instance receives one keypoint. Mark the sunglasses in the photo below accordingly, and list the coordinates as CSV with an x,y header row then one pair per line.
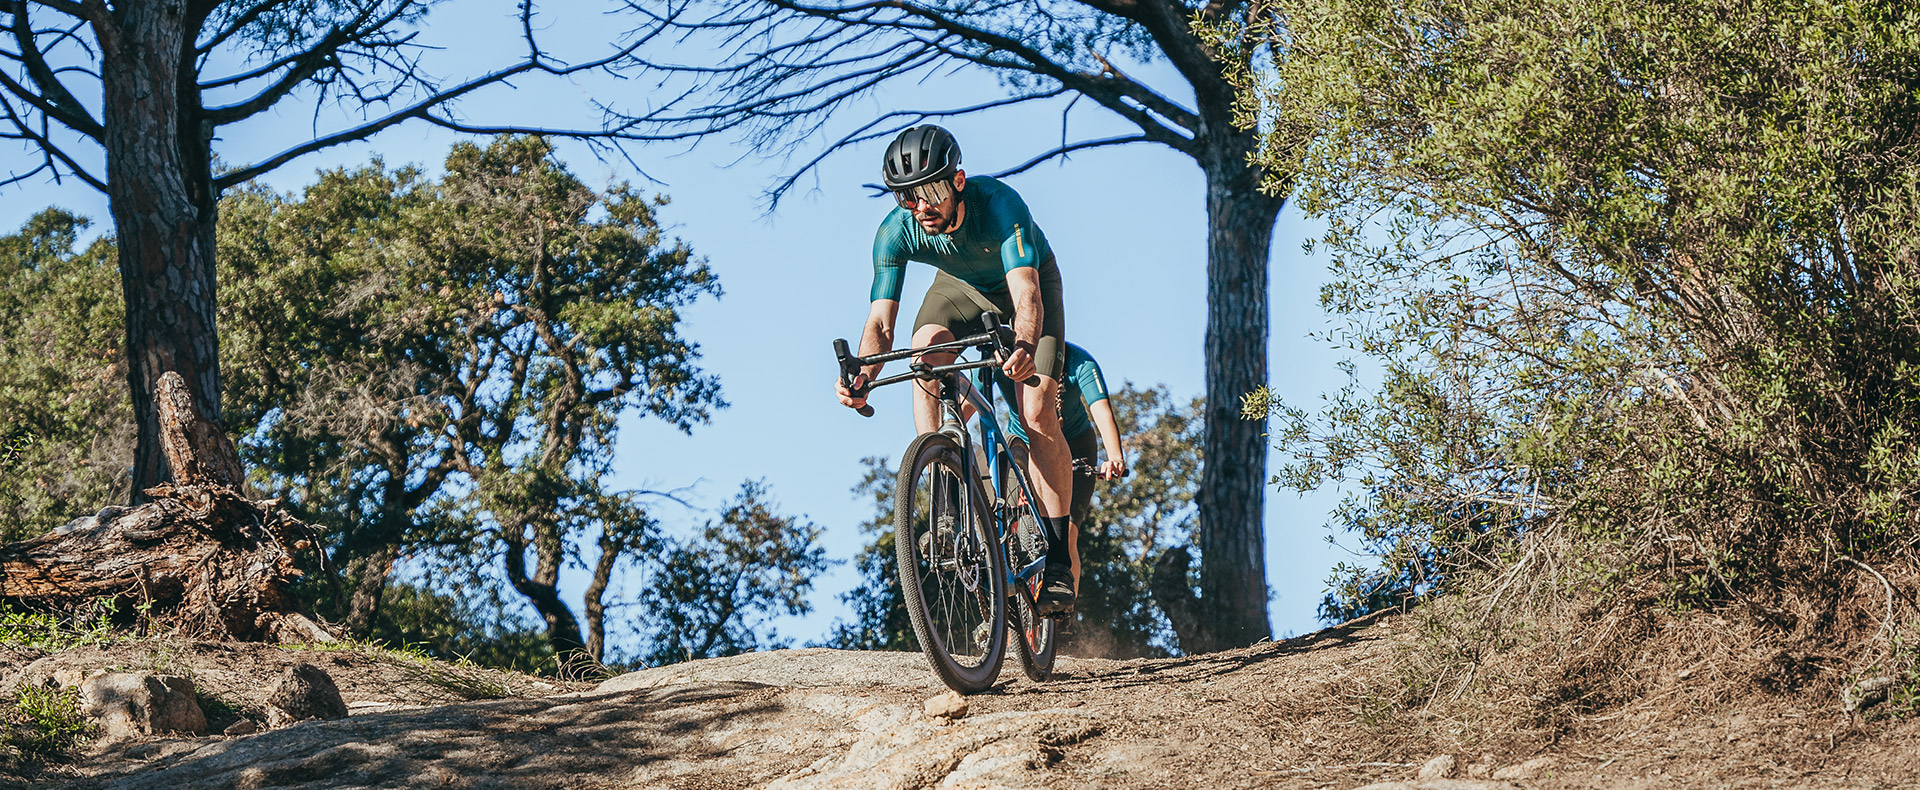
x,y
932,193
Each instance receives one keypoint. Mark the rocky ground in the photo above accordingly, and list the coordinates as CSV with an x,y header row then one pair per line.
x,y
1295,714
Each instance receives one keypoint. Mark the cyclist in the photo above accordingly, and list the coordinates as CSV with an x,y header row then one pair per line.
x,y
991,256
1084,412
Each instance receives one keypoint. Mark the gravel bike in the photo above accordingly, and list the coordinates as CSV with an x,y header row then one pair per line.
x,y
965,557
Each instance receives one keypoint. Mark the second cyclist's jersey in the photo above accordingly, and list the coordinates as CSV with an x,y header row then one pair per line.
x,y
1083,386
996,236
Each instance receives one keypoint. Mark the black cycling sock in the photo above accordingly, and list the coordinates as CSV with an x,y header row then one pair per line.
x,y
1057,548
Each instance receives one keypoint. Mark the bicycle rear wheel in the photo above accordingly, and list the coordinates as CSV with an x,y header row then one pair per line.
x,y
1035,636
951,574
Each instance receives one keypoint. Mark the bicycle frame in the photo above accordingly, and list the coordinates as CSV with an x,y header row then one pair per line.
x,y
952,385
994,444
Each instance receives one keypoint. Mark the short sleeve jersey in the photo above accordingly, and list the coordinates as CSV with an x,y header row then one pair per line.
x,y
996,236
1084,386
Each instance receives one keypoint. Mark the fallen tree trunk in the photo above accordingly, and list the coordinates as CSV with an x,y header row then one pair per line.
x,y
201,558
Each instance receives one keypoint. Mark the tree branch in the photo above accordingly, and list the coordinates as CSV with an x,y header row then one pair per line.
x,y
53,99
1067,149
93,10
48,149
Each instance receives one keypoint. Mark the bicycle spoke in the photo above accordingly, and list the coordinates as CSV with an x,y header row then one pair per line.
x,y
953,580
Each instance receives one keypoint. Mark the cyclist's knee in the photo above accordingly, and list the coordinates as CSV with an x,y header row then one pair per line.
x,y
928,334
1041,404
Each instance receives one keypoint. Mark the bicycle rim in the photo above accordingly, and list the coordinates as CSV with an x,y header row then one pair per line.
x,y
1036,634
951,576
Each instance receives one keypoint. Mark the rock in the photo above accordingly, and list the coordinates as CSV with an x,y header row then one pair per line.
x,y
304,692
72,677
241,727
1865,694
947,706
134,704
1481,769
1441,767
899,751
1531,769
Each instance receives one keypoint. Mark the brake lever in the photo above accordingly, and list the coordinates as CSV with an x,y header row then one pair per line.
x,y
990,321
849,369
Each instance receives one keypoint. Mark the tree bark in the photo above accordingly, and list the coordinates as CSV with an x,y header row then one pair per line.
x,y
161,195
542,589
201,557
1176,600
369,587
1232,498
1231,609
596,594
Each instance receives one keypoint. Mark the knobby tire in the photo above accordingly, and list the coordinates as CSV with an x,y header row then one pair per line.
x,y
955,612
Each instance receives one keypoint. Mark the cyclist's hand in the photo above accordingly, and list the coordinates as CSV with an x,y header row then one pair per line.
x,y
1113,469
847,396
1019,364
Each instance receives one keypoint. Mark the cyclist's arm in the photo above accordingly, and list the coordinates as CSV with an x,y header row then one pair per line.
x,y
890,251
877,338
1102,413
1023,284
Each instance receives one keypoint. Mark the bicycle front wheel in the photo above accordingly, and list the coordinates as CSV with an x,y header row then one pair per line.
x,y
951,574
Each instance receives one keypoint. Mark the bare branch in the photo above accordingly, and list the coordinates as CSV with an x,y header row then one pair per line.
x,y
302,67
239,23
53,98
1067,149
92,10
49,150
880,128
536,61
1107,88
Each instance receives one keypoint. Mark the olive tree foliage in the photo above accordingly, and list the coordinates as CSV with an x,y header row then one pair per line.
x,y
879,613
434,370
65,428
1125,568
1638,281
133,97
794,79
716,592
1129,525
465,348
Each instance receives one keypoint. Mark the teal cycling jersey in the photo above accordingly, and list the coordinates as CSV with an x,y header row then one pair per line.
x,y
1083,386
996,236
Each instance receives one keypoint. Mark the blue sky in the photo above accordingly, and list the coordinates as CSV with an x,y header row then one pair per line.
x,y
1127,225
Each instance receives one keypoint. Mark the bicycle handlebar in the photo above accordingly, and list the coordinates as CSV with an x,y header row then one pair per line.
x,y
849,367
988,341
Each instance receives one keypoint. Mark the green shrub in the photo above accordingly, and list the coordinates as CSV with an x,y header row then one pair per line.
x,y
40,725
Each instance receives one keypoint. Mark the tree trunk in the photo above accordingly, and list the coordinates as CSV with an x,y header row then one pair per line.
x,y
1233,578
201,558
1231,610
161,195
369,586
595,597
542,589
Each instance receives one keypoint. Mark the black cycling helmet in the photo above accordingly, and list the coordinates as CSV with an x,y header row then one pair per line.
x,y
920,154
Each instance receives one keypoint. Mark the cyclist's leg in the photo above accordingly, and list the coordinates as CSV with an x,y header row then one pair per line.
x,y
947,305
1085,447
1052,461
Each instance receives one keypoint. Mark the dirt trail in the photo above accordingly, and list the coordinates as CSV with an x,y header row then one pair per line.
x,y
1291,715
